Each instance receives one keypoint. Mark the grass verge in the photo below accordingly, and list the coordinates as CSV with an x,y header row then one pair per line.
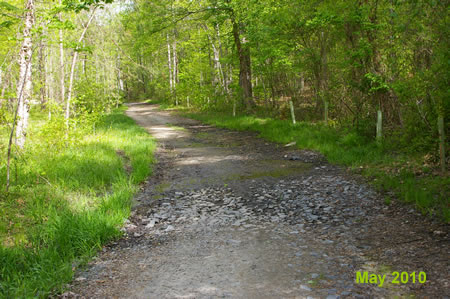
x,y
404,174
66,202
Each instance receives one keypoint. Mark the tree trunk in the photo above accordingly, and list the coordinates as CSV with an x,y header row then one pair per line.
x,y
175,64
219,50
169,63
72,70
175,69
42,74
61,62
120,85
51,80
245,73
24,85
323,75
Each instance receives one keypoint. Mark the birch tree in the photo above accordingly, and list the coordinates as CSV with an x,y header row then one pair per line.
x,y
24,85
61,60
74,62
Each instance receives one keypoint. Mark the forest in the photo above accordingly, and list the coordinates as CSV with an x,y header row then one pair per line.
x,y
364,82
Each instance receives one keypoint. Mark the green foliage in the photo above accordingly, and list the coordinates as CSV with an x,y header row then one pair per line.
x,y
68,200
92,98
376,83
80,5
7,6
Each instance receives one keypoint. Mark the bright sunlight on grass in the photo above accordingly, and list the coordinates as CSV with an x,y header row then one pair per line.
x,y
65,204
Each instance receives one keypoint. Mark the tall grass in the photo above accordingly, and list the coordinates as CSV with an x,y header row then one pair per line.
x,y
429,193
67,202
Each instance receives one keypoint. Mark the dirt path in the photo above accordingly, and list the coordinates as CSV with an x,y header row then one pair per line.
x,y
227,214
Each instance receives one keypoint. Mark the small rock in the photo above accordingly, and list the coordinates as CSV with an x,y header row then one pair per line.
x,y
291,144
306,288
151,224
69,295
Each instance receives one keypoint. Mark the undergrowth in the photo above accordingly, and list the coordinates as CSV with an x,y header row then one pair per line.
x,y
403,173
67,200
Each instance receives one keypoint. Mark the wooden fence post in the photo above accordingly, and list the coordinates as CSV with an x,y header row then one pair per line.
x,y
292,111
379,125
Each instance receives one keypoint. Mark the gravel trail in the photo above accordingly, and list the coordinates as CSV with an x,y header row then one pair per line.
x,y
229,215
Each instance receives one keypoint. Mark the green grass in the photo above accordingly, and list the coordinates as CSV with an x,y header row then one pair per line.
x,y
66,202
430,193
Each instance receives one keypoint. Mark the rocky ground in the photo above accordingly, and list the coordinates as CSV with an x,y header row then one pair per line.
x,y
227,214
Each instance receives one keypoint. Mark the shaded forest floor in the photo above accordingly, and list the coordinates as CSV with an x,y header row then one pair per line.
x,y
228,214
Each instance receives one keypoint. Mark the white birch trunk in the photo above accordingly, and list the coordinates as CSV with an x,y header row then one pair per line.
x,y
24,85
61,62
175,70
51,82
72,69
224,80
175,64
169,59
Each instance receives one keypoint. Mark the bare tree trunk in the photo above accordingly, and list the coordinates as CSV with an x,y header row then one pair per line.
x,y
245,73
51,81
302,83
119,75
218,70
323,76
222,73
72,70
61,62
24,85
175,70
175,63
169,59
42,73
